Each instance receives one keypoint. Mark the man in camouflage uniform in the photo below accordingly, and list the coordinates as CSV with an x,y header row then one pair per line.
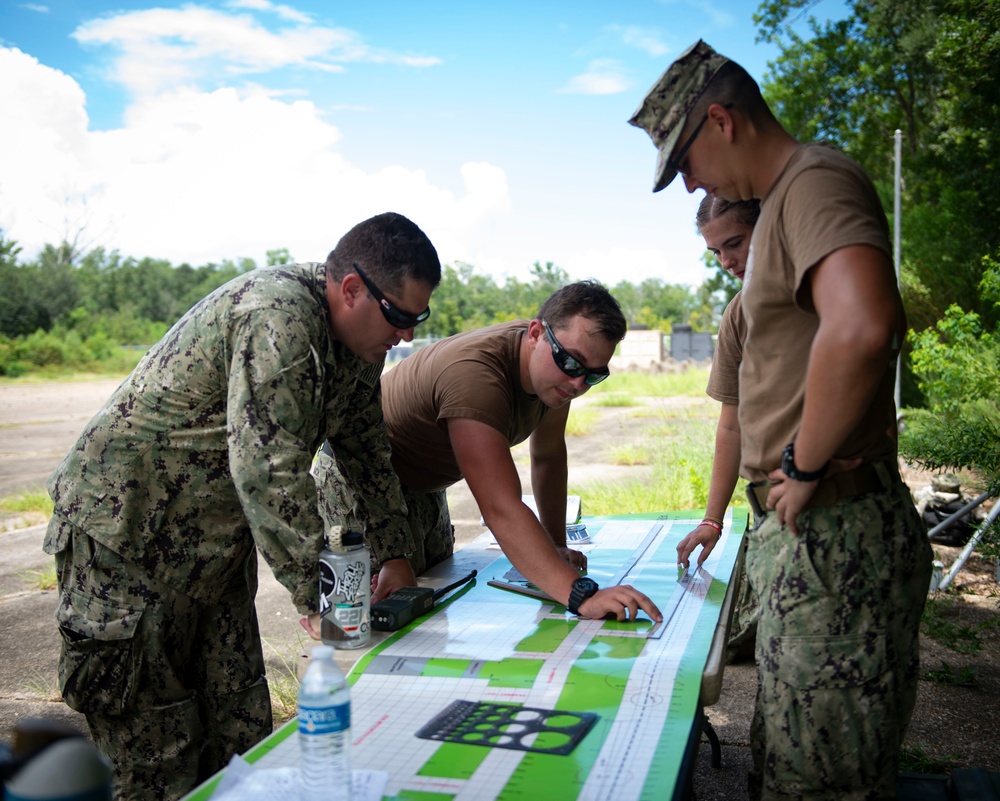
x,y
840,562
202,453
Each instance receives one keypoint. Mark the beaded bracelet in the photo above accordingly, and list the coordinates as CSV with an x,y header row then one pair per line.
x,y
711,523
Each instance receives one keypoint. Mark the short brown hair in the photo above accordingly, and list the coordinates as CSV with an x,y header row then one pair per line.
x,y
589,299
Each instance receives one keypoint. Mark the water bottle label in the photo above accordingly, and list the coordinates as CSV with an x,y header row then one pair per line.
x,y
324,719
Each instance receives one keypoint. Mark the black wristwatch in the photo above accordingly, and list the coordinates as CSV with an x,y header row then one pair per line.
x,y
583,588
789,469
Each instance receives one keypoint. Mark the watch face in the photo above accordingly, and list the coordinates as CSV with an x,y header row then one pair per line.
x,y
585,585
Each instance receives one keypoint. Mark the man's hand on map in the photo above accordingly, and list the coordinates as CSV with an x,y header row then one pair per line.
x,y
623,601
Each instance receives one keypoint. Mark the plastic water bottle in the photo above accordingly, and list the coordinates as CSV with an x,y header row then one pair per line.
x,y
324,729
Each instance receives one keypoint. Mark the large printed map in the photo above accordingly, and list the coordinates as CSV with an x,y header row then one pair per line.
x,y
491,646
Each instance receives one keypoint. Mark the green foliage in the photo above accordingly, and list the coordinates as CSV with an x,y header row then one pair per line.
x,y
939,622
681,459
946,674
688,383
581,421
29,501
968,438
614,399
42,579
957,366
278,256
914,759
931,70
654,304
956,361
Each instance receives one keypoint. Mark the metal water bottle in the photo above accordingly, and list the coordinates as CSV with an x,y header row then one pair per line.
x,y
345,591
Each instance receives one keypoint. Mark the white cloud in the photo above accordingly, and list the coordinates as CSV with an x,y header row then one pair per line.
x,y
285,12
603,77
36,7
160,49
182,179
648,41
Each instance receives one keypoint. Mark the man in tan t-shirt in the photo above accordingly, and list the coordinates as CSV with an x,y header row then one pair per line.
x,y
840,562
454,409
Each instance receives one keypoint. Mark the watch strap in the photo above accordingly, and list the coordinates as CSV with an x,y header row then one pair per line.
x,y
789,469
583,588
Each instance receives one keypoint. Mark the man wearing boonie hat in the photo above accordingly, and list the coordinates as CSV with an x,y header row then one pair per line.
x,y
840,562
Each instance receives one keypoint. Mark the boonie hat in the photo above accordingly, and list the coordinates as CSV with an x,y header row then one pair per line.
x,y
665,109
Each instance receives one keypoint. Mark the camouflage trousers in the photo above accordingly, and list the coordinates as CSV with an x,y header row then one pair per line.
x,y
837,646
171,688
746,610
430,524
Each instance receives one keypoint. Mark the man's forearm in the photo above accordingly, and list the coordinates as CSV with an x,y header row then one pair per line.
x,y
841,381
548,486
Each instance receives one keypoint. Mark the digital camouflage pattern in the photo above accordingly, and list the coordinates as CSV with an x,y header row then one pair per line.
x,y
743,626
429,521
205,448
171,687
665,108
202,453
837,646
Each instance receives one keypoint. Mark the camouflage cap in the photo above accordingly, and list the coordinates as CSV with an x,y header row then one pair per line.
x,y
665,109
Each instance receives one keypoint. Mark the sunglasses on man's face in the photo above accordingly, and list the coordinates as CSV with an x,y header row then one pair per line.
x,y
571,366
677,162
397,318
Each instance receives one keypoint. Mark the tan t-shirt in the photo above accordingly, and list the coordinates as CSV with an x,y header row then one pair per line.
x,y
475,375
822,202
724,379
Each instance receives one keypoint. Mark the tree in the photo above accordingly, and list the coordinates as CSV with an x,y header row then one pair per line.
x,y
278,256
930,68
957,364
21,311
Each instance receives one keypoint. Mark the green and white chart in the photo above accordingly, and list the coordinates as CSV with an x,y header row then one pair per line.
x,y
490,646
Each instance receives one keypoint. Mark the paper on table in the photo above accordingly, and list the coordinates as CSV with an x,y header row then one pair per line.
x,y
243,782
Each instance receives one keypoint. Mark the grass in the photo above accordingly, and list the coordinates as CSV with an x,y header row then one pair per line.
x,y
581,421
630,455
283,683
615,399
914,759
27,502
938,622
946,674
681,457
689,384
43,685
119,366
42,579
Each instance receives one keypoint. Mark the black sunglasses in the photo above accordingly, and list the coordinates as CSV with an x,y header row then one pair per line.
x,y
571,366
675,162
397,318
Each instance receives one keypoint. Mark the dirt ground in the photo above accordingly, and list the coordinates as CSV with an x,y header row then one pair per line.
x,y
954,724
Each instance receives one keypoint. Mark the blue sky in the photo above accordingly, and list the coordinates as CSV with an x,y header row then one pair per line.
x,y
208,130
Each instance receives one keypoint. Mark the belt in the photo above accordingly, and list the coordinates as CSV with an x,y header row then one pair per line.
x,y
865,478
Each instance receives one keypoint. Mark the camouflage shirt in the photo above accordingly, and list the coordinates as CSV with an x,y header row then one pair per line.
x,y
205,448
